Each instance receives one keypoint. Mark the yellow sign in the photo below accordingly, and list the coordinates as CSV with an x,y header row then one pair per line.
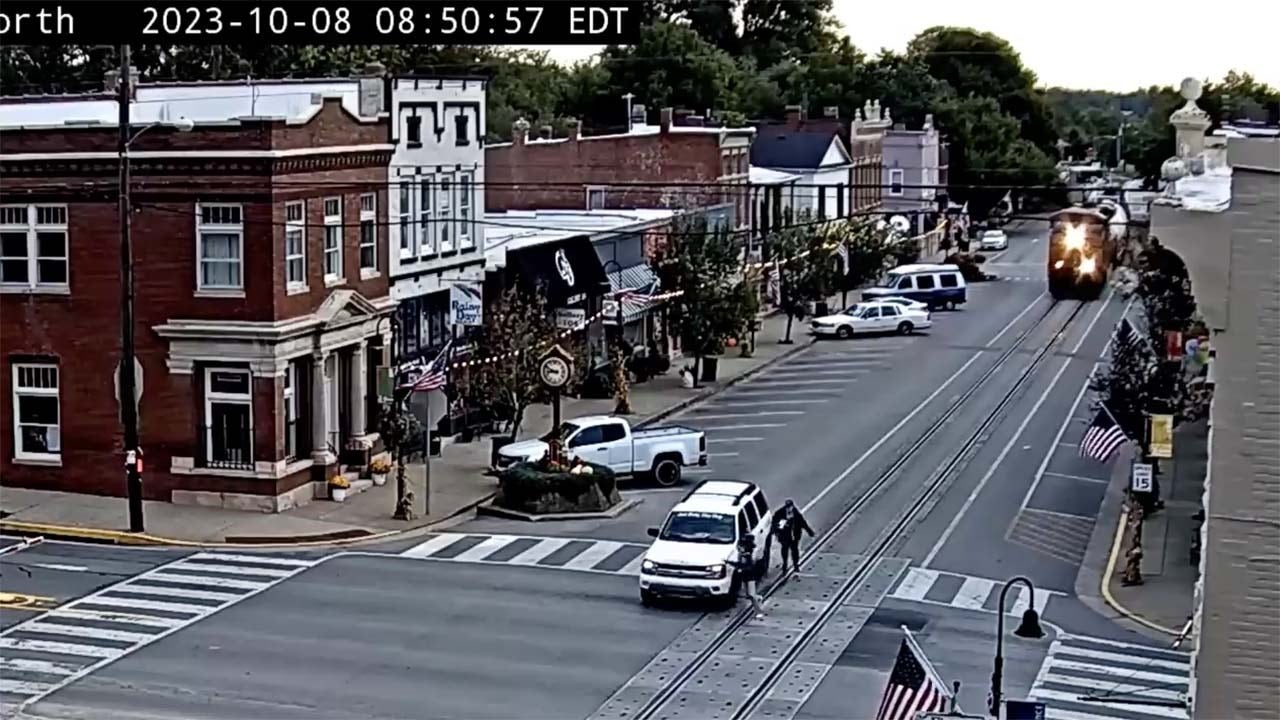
x,y
1161,435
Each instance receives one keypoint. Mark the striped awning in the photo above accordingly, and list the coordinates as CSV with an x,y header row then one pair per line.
x,y
640,280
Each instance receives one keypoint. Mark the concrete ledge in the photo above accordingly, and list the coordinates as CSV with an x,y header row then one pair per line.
x,y
488,508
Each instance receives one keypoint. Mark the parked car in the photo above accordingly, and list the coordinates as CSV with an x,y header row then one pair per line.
x,y
993,240
872,317
692,553
661,452
935,285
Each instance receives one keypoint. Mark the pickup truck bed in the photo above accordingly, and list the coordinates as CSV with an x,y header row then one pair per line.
x,y
662,430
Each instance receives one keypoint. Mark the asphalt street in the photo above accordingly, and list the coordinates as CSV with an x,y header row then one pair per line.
x,y
500,619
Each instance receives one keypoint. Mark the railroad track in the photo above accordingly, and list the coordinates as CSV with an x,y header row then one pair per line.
x,y
672,680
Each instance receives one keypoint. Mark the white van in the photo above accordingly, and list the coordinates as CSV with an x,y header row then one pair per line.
x,y
693,551
935,285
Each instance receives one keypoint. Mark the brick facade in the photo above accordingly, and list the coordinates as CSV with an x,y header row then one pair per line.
x,y
264,326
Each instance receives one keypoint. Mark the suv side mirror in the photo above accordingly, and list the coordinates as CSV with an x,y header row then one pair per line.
x,y
653,532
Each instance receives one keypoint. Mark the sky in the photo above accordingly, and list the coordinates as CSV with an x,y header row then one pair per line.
x,y
1156,42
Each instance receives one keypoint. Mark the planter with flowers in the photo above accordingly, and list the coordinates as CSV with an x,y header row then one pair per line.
x,y
379,469
338,487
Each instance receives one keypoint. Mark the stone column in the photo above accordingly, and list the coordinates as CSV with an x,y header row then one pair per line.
x,y
319,410
359,381
1189,121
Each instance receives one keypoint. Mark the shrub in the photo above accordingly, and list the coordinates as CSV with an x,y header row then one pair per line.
x,y
533,487
969,266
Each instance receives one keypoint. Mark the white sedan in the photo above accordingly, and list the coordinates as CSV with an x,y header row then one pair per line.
x,y
993,240
871,317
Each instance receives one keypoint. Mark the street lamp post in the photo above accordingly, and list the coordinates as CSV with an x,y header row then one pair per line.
x,y
1124,118
624,407
1028,628
128,382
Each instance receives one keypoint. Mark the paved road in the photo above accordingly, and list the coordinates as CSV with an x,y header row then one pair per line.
x,y
373,637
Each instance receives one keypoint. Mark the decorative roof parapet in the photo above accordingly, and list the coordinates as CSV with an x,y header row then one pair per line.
x,y
1198,177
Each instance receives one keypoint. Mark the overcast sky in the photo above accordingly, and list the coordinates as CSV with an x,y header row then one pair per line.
x,y
1072,44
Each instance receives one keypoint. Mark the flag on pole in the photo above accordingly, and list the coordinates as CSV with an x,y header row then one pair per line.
x,y
1103,437
436,374
914,686
1125,336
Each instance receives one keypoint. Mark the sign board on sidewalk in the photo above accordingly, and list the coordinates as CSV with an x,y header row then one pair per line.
x,y
1161,445
1141,478
466,304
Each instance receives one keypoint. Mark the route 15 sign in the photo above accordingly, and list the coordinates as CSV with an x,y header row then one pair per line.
x,y
555,368
1140,480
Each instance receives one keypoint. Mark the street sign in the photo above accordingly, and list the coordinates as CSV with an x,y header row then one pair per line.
x,y
1161,444
1023,710
1140,479
137,382
570,318
610,312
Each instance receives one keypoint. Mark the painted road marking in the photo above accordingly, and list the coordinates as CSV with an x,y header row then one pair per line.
x,y
971,593
29,678
1079,666
59,566
589,558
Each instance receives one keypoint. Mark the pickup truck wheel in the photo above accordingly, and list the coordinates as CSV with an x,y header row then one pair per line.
x,y
844,332
905,328
666,471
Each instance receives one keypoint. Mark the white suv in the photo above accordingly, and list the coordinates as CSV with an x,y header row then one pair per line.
x,y
694,549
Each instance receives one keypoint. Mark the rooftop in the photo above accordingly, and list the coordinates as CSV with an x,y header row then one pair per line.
x,y
637,130
765,176
519,229
779,148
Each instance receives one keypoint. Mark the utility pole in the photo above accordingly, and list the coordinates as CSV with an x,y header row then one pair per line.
x,y
128,381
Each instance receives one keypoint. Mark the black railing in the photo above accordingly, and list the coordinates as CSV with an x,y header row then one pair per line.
x,y
291,444
335,442
228,449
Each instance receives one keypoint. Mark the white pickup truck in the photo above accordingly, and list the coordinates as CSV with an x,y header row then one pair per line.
x,y
661,452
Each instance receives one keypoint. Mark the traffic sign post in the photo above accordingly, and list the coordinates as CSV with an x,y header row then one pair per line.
x,y
1141,478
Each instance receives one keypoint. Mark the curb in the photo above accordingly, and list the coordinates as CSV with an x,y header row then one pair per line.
x,y
1106,584
613,512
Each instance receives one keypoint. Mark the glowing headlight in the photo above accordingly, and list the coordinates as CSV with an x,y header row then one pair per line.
x,y
1087,266
716,571
647,566
1074,238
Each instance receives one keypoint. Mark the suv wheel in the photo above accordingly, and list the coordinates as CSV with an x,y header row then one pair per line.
x,y
647,598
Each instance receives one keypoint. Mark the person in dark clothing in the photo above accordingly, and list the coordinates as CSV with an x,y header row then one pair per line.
x,y
745,563
788,523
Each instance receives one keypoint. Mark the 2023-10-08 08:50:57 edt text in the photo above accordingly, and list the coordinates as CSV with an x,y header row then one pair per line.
x,y
326,21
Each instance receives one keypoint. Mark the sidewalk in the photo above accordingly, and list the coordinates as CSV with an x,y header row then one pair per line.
x,y
458,482
1165,601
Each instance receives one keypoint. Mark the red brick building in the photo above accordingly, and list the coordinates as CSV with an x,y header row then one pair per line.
x,y
261,289
678,163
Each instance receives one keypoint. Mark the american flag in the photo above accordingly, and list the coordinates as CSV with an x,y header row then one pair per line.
x,y
436,373
1103,438
913,687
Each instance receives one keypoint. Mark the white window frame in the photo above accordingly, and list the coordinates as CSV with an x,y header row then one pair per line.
x,y
332,225
465,216
211,398
368,221
289,395
216,227
32,227
296,227
426,216
896,176
21,390
408,227
445,205
592,190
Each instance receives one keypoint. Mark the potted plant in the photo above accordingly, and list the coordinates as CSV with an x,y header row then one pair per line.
x,y
379,469
338,487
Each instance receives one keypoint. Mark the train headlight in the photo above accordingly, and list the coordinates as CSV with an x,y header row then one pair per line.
x,y
1058,265
1087,266
1074,238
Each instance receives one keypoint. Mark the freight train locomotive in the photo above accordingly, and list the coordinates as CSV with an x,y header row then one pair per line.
x,y
1083,242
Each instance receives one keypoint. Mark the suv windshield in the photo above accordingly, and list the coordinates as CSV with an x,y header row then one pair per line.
x,y
699,527
890,280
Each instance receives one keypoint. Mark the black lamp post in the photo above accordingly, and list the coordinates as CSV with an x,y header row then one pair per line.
x,y
1028,628
609,284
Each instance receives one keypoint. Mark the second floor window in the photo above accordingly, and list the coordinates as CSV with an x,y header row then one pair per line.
x,y
369,231
895,182
426,233
220,247
408,228
460,126
595,198
464,211
295,245
33,248
446,204
332,239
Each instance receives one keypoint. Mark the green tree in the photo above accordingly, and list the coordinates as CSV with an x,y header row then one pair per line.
x,y
777,30
703,262
516,332
806,267
399,430
1124,387
902,84
1165,288
983,64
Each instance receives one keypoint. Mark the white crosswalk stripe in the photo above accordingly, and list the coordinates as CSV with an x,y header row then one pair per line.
x,y
966,592
555,553
1086,677
91,631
